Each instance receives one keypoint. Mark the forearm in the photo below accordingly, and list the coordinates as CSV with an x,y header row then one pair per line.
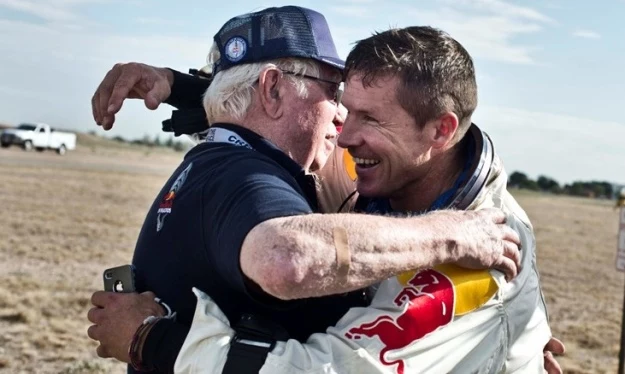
x,y
187,91
296,257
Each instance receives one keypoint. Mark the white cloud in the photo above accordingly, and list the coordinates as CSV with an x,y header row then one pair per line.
x,y
49,73
586,34
45,10
49,10
564,147
477,33
358,11
505,9
489,29
551,6
159,21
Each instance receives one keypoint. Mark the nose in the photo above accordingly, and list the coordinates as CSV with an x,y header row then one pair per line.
x,y
339,118
348,138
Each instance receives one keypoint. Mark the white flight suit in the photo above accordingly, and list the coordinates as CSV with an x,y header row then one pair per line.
x,y
441,320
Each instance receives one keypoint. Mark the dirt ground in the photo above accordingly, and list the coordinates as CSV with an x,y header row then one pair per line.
x,y
65,219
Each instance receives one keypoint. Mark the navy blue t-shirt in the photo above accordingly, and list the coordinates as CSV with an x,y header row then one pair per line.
x,y
194,230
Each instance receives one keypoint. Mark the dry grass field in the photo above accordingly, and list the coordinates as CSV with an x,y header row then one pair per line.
x,y
65,219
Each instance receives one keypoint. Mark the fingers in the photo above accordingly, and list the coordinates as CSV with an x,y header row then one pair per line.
x,y
100,99
159,93
114,89
494,214
551,365
510,261
511,251
95,99
103,298
510,235
511,254
156,308
130,75
555,346
108,121
93,332
102,352
95,315
508,267
94,108
148,295
131,80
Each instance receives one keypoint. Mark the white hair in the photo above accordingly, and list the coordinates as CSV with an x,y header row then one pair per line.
x,y
230,93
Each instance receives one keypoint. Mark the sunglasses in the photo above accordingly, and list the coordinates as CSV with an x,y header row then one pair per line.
x,y
337,91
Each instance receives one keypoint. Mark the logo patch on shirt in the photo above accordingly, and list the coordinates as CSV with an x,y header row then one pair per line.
x,y
429,300
165,207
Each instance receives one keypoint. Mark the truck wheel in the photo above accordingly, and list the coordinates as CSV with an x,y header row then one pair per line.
x,y
28,146
62,150
5,145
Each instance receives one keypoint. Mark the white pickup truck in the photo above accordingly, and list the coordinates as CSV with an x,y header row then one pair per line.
x,y
38,136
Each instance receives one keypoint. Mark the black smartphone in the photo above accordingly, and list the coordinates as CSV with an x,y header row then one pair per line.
x,y
120,279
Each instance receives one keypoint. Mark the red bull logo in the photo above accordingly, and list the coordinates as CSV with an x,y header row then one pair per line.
x,y
427,302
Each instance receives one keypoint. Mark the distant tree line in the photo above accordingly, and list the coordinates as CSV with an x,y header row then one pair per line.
x,y
176,145
597,189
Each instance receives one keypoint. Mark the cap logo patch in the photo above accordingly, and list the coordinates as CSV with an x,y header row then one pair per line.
x,y
236,48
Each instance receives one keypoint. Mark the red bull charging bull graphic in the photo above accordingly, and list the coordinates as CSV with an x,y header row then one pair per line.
x,y
427,302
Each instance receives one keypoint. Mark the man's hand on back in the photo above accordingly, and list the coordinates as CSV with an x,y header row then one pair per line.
x,y
480,240
130,81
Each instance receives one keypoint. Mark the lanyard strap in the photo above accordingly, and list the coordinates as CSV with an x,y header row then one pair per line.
x,y
221,135
306,183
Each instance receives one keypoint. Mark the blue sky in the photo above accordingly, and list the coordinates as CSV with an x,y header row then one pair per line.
x,y
550,73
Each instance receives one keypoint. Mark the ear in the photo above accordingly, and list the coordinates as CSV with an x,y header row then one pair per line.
x,y
444,129
270,82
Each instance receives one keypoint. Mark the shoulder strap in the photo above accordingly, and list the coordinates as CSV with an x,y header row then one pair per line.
x,y
254,338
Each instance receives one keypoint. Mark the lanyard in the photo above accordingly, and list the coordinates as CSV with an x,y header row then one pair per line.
x,y
305,182
221,135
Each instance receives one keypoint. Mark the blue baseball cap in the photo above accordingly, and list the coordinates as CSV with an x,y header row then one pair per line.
x,y
274,33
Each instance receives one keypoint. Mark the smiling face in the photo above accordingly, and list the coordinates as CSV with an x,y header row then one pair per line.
x,y
410,93
390,149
